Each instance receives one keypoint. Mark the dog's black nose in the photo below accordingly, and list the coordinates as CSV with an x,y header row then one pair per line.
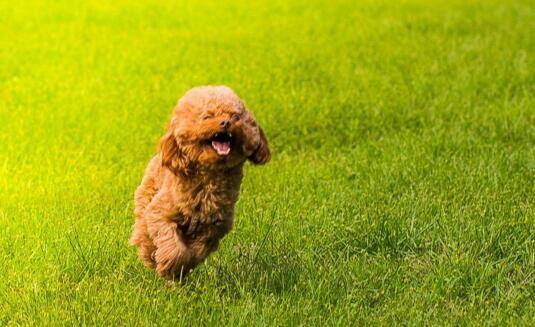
x,y
224,123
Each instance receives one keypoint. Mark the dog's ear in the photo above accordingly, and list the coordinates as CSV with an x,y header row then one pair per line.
x,y
261,155
172,157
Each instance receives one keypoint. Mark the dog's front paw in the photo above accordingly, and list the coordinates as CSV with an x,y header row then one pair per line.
x,y
165,262
172,257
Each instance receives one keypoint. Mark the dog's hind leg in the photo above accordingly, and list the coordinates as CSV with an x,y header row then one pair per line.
x,y
145,191
142,197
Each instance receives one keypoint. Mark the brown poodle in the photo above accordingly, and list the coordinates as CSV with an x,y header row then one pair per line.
x,y
185,203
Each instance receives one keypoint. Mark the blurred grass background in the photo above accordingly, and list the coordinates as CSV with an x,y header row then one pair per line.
x,y
401,188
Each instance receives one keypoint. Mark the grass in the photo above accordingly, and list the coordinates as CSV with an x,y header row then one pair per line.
x,y
402,184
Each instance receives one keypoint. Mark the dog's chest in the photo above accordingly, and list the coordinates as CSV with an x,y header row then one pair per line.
x,y
210,201
212,204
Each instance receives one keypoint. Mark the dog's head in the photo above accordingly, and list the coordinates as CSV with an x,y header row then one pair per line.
x,y
211,128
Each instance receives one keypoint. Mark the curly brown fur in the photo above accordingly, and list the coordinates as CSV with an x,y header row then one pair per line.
x,y
185,203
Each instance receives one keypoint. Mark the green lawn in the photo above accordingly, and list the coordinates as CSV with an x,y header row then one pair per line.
x,y
401,187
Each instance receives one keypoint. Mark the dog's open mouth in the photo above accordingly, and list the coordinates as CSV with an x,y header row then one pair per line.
x,y
221,142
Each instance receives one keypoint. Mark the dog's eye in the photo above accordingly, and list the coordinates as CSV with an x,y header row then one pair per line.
x,y
206,117
235,117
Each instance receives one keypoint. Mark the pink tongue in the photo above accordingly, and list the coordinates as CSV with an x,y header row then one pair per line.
x,y
222,148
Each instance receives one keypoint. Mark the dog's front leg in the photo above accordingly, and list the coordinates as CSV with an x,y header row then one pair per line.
x,y
172,256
